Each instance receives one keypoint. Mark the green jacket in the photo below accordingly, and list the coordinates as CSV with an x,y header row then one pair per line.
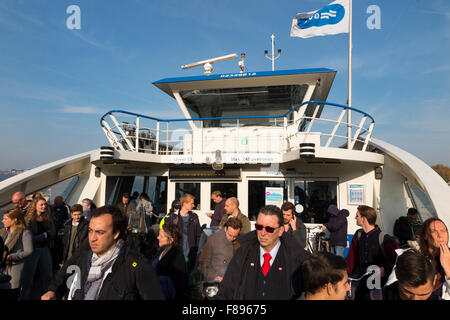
x,y
241,217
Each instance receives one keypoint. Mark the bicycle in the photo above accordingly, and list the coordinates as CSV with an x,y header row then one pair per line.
x,y
350,280
310,247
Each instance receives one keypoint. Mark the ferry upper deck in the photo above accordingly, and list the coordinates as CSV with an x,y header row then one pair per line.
x,y
264,137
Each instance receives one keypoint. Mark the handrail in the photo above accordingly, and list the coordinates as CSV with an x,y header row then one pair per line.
x,y
135,137
238,117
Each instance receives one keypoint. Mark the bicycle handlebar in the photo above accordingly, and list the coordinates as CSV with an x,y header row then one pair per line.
x,y
365,274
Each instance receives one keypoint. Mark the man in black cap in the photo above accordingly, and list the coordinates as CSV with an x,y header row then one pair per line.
x,y
337,226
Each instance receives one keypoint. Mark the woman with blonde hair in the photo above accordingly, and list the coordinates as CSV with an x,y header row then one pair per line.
x,y
43,231
170,265
19,242
189,224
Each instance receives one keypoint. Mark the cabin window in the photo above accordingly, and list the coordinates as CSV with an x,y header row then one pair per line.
x,y
421,202
257,195
191,188
315,196
154,187
228,190
246,101
63,189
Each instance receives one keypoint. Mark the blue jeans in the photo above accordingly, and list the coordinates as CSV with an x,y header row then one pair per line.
x,y
338,250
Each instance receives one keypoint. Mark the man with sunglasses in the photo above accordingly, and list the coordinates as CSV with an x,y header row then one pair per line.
x,y
267,266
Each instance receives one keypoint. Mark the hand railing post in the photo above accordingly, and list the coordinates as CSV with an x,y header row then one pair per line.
x,y
137,134
167,138
157,138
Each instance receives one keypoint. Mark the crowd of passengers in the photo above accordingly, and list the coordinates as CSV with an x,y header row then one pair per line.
x,y
134,250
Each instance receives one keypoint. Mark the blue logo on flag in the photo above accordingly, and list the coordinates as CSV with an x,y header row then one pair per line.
x,y
332,14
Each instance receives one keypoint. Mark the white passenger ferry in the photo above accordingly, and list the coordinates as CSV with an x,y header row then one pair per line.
x,y
264,137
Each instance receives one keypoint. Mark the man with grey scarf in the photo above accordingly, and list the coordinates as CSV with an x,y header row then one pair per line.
x,y
105,268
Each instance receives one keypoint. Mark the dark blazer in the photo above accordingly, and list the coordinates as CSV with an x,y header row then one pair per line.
x,y
194,234
132,277
173,265
241,277
82,233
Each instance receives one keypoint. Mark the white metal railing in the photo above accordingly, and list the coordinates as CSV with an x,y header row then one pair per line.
x,y
268,134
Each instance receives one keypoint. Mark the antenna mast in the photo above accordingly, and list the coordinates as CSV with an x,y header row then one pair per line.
x,y
272,56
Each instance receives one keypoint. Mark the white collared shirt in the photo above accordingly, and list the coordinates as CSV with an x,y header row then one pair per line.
x,y
273,253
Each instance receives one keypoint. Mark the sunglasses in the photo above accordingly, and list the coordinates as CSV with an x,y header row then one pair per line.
x,y
268,229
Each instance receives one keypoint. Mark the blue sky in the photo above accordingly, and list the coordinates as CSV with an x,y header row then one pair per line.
x,y
55,83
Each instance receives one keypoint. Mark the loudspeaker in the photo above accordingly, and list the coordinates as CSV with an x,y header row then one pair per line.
x,y
307,150
106,153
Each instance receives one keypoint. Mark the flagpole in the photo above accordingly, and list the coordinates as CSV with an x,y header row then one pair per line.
x,y
349,101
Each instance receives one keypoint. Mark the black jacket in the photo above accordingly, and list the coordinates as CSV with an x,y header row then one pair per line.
x,y
219,211
132,277
239,281
337,225
404,230
81,235
194,233
300,233
173,265
39,239
60,215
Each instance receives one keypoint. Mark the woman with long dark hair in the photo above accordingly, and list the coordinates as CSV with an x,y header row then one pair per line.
x,y
170,265
43,231
434,246
19,242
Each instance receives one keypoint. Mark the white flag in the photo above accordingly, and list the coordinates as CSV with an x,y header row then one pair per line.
x,y
332,19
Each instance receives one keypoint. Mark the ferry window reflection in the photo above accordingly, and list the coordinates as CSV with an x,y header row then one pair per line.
x,y
191,188
257,195
315,197
228,190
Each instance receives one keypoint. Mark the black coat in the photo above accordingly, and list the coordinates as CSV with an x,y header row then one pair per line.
x,y
241,277
132,277
404,230
337,225
39,239
219,211
173,265
82,233
300,233
194,234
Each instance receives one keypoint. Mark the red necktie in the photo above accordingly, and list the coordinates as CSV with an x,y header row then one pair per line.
x,y
266,265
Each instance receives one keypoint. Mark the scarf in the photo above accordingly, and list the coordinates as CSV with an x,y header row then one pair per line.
x,y
97,271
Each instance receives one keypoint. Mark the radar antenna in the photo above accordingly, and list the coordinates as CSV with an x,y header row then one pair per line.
x,y
208,63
